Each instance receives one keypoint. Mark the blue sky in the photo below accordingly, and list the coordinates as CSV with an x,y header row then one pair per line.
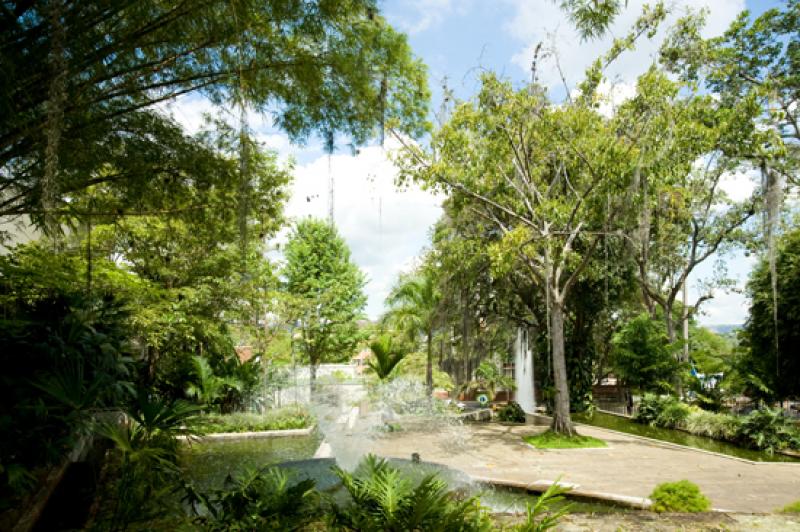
x,y
387,228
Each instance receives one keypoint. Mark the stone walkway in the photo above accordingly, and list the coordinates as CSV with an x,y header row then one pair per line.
x,y
628,466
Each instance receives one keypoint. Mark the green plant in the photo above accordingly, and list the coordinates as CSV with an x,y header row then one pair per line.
x,y
539,517
512,413
793,508
207,387
681,496
642,356
263,499
768,429
290,417
144,462
673,415
388,354
650,407
382,499
713,425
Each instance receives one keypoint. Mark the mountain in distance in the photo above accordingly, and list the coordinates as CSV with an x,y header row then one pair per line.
x,y
724,329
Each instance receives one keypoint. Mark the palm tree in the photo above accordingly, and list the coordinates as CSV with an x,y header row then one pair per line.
x,y
387,355
414,307
208,387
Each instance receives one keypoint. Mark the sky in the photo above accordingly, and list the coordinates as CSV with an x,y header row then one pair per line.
x,y
387,228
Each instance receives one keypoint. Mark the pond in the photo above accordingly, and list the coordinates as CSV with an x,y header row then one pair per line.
x,y
622,424
207,464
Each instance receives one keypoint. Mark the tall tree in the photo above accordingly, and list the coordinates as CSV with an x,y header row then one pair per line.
x,y
551,178
414,307
756,62
80,80
327,289
686,217
776,372
542,175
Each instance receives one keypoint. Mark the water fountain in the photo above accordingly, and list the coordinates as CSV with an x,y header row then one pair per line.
x,y
523,372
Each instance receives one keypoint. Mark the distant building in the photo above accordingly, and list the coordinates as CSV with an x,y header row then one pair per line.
x,y
244,352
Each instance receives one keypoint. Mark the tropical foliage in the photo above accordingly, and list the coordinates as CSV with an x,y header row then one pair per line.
x,y
414,306
388,353
290,417
382,499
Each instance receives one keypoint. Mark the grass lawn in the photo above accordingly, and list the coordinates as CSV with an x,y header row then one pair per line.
x,y
551,440
793,508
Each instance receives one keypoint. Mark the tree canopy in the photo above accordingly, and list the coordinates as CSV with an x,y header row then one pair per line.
x,y
327,292
81,80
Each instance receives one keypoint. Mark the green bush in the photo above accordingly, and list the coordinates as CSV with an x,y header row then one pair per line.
x,y
511,413
257,500
651,406
673,415
713,425
768,429
681,496
279,419
793,508
383,499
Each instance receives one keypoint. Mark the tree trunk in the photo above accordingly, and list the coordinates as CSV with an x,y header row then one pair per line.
x,y
562,423
312,367
429,366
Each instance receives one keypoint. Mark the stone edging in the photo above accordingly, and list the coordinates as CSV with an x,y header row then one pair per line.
x,y
574,491
220,436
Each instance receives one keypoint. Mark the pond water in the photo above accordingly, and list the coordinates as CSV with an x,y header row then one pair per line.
x,y
622,424
209,463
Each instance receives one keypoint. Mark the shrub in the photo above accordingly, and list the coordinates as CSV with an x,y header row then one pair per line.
x,y
279,419
257,500
382,499
512,413
719,426
793,508
767,429
681,496
651,406
673,415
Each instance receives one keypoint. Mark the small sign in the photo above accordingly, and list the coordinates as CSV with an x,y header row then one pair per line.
x,y
482,399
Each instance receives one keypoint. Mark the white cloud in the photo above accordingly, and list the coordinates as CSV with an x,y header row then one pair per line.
x,y
740,185
386,228
428,14
545,22
611,96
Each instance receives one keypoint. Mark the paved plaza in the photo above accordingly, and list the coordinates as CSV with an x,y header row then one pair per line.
x,y
629,466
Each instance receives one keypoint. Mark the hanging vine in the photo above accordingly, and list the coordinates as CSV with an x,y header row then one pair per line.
x,y
244,153
56,99
772,183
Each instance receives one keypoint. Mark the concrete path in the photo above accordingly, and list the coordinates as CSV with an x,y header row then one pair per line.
x,y
628,466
